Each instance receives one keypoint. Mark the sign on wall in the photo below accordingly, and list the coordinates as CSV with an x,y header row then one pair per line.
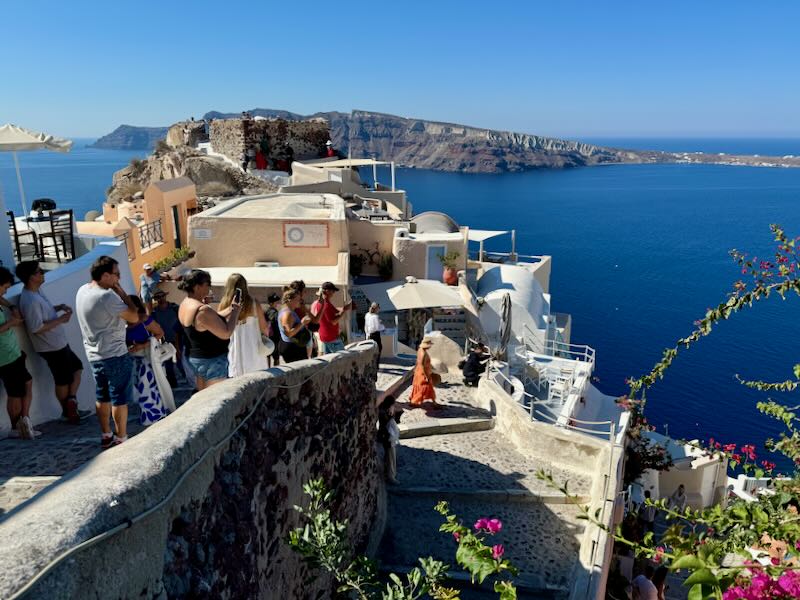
x,y
305,235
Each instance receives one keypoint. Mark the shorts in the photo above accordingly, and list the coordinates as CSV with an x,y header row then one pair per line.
x,y
330,347
63,364
114,379
210,368
14,376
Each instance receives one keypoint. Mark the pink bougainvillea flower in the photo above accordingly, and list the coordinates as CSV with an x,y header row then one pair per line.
x,y
734,593
480,524
497,551
797,545
659,555
456,536
729,447
789,583
494,525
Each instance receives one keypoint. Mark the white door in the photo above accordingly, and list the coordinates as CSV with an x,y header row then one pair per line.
x,y
435,269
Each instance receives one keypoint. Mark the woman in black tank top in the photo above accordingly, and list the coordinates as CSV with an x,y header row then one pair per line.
x,y
207,330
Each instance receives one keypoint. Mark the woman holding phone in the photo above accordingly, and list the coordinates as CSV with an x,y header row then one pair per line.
x,y
246,351
207,330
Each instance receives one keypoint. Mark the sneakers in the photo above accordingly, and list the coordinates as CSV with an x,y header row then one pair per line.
x,y
25,428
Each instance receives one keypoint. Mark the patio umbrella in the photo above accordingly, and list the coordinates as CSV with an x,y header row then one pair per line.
x,y
414,293
18,139
505,325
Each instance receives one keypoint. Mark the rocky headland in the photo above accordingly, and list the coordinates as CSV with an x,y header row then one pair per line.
x,y
440,146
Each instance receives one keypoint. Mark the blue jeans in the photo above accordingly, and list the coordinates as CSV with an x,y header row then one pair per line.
x,y
330,347
210,368
114,379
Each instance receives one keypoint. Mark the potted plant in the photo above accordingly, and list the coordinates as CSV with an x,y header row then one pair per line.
x,y
356,265
385,266
448,260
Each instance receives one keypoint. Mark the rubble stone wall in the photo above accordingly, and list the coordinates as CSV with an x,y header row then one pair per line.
x,y
232,137
228,466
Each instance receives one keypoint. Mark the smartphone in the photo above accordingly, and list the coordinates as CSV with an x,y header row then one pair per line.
x,y
237,295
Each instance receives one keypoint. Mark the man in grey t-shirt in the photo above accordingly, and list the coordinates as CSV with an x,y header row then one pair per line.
x,y
45,326
104,309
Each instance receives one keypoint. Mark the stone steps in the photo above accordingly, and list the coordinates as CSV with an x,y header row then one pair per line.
x,y
480,463
540,539
455,454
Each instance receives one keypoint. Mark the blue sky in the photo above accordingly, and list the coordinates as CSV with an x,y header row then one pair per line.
x,y
566,69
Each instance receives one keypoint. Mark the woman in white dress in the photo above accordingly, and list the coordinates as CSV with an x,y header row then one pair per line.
x,y
246,351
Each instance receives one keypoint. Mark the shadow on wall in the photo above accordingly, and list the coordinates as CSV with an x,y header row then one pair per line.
x,y
231,464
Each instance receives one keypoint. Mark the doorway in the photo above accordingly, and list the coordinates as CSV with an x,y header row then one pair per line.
x,y
176,225
435,269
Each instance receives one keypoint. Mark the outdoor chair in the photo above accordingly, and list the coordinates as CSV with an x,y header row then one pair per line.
x,y
60,237
26,244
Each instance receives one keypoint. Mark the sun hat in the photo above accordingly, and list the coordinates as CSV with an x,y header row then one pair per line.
x,y
147,266
426,343
328,143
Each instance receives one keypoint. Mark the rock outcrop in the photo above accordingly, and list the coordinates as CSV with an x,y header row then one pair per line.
x,y
130,137
212,176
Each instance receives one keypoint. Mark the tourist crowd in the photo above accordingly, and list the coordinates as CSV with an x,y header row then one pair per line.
x,y
140,347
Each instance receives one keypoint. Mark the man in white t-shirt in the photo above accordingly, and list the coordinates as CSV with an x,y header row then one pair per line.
x,y
643,587
104,310
45,327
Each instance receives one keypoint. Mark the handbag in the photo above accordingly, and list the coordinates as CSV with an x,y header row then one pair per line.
x,y
265,347
302,337
436,379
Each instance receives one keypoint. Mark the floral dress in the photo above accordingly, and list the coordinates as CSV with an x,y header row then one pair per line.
x,y
145,387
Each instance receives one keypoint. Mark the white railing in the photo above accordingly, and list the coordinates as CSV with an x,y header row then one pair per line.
x,y
558,349
537,407
504,257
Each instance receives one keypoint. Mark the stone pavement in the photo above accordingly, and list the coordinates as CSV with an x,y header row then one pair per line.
x,y
29,466
454,454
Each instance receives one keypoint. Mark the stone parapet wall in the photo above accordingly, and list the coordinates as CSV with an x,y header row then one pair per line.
x,y
227,494
232,137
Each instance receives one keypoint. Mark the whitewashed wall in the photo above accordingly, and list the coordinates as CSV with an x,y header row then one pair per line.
x,y
60,287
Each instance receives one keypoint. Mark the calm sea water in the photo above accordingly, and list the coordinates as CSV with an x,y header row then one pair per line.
x,y
639,252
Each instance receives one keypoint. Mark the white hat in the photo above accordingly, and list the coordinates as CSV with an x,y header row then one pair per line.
x,y
328,143
147,266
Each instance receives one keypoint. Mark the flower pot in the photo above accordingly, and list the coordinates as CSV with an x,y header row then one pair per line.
x,y
450,276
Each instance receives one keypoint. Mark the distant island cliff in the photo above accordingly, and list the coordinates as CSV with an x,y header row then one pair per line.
x,y
442,146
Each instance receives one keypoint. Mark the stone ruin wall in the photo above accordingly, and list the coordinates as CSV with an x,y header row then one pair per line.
x,y
224,532
232,137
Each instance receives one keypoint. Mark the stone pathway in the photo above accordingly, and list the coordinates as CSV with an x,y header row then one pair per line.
x,y
29,466
454,454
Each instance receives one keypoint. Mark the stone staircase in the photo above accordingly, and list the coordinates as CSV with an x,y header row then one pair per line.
x,y
455,454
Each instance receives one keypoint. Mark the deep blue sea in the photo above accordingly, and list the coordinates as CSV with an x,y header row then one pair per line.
x,y
639,252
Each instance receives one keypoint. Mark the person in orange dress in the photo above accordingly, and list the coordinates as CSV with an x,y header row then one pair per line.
x,y
422,387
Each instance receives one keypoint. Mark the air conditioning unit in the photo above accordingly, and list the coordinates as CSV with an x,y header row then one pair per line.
x,y
266,263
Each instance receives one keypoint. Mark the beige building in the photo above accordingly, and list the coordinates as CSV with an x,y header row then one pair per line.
x,y
151,226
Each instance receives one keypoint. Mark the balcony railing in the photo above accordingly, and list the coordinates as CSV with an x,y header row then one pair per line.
x,y
124,237
150,234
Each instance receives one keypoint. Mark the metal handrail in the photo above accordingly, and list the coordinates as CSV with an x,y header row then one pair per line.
x,y
124,237
150,234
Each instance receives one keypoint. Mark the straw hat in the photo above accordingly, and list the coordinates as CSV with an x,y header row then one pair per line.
x,y
426,343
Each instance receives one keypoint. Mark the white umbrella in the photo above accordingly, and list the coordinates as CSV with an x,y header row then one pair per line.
x,y
423,293
18,139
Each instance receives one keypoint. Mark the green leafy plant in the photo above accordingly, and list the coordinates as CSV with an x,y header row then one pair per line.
x,y
323,544
449,259
385,266
743,549
176,257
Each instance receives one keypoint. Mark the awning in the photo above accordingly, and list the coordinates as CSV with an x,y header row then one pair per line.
x,y
278,276
347,162
480,235
413,293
